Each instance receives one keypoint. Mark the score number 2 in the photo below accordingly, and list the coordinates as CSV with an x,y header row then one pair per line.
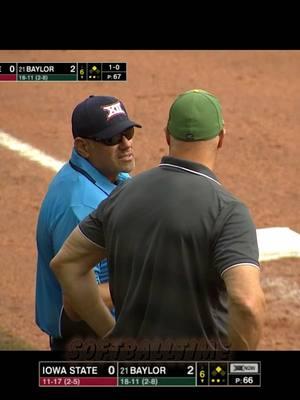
x,y
190,370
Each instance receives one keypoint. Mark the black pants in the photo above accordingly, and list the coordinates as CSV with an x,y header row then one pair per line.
x,y
58,344
70,330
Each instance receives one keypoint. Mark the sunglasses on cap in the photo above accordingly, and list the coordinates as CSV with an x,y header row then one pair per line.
x,y
116,139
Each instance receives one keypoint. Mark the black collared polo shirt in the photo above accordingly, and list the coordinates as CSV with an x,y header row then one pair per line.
x,y
170,233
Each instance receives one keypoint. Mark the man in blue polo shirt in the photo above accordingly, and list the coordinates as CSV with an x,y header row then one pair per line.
x,y
101,159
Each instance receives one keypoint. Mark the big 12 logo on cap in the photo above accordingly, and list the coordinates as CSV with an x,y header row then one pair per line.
x,y
114,109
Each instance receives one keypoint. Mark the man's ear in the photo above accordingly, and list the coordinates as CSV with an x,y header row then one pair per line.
x,y
82,147
221,138
167,136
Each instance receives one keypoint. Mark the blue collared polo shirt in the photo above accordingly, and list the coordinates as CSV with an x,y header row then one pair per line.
x,y
74,192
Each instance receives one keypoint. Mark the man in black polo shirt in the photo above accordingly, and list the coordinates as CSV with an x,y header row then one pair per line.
x,y
182,250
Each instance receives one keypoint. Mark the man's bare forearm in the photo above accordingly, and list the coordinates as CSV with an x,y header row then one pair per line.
x,y
245,325
73,267
246,306
105,295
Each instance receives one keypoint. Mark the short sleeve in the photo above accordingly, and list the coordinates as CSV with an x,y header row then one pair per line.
x,y
235,238
92,225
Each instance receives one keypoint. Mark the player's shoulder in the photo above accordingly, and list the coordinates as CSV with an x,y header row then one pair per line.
x,y
229,202
226,196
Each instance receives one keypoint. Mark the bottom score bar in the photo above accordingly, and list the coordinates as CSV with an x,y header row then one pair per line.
x,y
126,373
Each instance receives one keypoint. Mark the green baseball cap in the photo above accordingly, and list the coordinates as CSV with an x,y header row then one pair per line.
x,y
195,115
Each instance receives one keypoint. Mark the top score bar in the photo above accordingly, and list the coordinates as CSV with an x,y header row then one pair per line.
x,y
59,72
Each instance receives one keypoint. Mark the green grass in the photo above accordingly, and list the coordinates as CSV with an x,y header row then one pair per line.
x,y
10,342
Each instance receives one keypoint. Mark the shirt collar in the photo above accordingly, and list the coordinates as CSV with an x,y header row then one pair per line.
x,y
189,166
104,183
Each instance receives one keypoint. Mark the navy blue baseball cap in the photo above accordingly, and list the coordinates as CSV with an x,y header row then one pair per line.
x,y
100,117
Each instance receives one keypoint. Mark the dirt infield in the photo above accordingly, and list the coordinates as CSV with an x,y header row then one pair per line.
x,y
260,94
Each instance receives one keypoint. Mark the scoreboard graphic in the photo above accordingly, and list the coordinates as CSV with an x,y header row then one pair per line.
x,y
137,374
63,72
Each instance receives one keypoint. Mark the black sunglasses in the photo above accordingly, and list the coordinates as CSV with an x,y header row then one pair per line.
x,y
116,139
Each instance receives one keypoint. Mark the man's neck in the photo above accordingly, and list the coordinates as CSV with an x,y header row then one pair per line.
x,y
204,159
